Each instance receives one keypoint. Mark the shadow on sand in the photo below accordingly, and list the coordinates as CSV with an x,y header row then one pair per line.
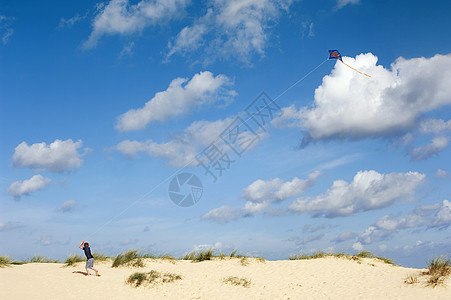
x,y
80,272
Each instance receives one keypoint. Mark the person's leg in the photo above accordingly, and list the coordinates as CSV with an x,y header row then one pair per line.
x,y
89,265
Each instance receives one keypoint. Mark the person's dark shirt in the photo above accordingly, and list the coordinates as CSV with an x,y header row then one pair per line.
x,y
88,252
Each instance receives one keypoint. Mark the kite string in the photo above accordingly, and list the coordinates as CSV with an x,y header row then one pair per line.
x,y
170,176
300,80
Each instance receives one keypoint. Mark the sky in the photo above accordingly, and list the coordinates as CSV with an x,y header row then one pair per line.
x,y
104,106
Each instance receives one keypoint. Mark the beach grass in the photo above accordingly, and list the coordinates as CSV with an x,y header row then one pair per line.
x,y
130,258
361,254
198,256
100,256
73,259
438,268
140,278
208,254
41,259
233,280
411,279
4,261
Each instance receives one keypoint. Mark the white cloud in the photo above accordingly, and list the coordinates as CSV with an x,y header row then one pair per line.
x,y
223,214
179,98
437,145
429,216
203,247
277,190
369,190
59,156
259,195
183,147
6,31
69,23
119,17
67,206
230,29
435,126
21,188
348,105
188,39
343,3
357,246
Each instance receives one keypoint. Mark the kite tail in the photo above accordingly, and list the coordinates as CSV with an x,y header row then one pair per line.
x,y
356,70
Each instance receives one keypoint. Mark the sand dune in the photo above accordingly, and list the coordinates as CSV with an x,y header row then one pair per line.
x,y
325,278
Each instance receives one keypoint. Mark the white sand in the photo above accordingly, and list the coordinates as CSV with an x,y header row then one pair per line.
x,y
325,278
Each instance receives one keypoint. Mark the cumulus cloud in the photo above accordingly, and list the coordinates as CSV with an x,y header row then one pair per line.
x,y
368,190
436,146
223,214
118,17
348,105
21,188
202,247
59,156
67,206
179,98
259,195
427,216
235,29
181,150
276,190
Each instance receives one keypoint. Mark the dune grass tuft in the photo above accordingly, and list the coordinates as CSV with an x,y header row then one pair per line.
x,y
199,255
439,265
41,259
318,254
411,279
130,258
73,259
153,277
438,269
361,254
100,256
4,261
237,281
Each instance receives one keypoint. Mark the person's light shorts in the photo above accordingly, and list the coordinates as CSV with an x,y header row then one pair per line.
x,y
90,263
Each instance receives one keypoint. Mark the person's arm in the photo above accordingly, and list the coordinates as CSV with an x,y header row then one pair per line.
x,y
81,245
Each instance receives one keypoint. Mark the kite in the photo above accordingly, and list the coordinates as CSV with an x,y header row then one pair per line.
x,y
334,54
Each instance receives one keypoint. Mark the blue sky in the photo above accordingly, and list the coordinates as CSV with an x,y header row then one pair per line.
x,y
102,104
